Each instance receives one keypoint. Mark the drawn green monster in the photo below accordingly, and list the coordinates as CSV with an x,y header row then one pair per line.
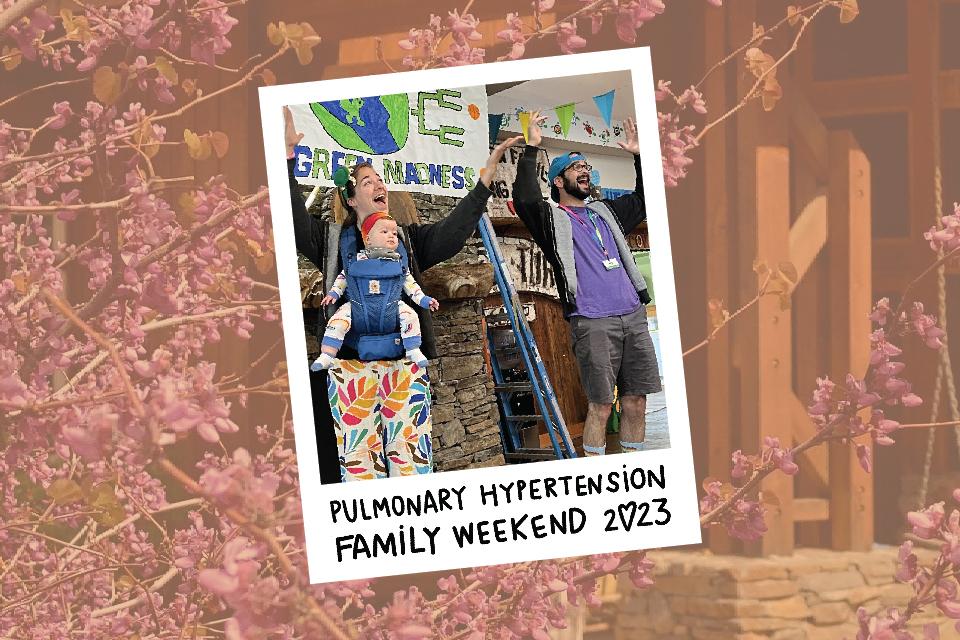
x,y
352,107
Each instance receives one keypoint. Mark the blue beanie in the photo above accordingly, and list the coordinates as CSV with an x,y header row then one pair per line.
x,y
560,163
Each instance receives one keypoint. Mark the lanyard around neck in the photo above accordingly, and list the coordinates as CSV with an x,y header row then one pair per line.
x,y
596,228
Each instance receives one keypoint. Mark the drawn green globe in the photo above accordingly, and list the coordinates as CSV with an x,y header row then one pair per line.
x,y
374,126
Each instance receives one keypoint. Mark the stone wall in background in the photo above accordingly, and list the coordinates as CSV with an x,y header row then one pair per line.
x,y
466,421
811,595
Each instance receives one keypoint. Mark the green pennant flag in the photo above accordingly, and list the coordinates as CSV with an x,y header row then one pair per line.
x,y
565,116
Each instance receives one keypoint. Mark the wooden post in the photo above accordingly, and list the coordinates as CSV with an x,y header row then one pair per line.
x,y
761,339
808,333
717,250
773,339
851,488
923,30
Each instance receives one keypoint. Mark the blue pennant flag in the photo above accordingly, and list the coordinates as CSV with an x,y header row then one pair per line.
x,y
495,120
605,105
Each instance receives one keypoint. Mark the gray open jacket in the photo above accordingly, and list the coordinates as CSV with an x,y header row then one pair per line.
x,y
427,244
550,227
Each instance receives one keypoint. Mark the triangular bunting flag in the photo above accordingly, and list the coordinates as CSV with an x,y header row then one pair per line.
x,y
524,117
495,120
605,105
565,116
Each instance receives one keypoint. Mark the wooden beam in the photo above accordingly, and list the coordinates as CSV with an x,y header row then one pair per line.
x,y
832,98
761,338
774,346
361,52
881,94
808,135
815,463
950,89
808,235
773,356
811,509
717,247
851,488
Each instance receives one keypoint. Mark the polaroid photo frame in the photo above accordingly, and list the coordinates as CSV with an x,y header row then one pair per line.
x,y
495,515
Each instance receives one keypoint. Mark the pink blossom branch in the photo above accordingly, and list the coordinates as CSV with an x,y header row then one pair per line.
x,y
50,85
88,206
712,517
62,580
193,63
918,600
928,425
264,536
17,10
166,323
230,87
135,403
759,37
57,541
909,290
719,327
752,93
156,585
77,151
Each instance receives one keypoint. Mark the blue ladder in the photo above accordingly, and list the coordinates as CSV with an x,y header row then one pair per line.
x,y
537,383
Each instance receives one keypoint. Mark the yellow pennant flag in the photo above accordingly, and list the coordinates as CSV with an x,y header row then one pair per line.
x,y
524,117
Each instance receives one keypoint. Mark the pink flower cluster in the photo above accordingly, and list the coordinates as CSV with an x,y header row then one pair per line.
x,y
946,238
675,141
463,31
936,584
743,520
151,24
745,465
514,35
835,409
914,322
242,482
632,15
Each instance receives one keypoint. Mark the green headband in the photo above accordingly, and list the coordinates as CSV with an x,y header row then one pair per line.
x,y
340,178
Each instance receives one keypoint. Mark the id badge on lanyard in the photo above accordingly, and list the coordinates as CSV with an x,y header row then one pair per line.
x,y
609,263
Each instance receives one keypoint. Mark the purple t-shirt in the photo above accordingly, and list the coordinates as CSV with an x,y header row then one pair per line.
x,y
600,293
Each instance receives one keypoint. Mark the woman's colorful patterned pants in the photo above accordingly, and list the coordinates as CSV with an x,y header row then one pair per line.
x,y
381,411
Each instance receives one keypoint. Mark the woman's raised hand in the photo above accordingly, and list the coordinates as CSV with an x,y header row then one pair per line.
x,y
290,131
486,174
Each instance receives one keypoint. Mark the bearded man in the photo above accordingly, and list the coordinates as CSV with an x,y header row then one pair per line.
x,y
602,291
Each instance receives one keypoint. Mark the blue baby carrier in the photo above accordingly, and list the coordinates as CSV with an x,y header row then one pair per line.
x,y
374,287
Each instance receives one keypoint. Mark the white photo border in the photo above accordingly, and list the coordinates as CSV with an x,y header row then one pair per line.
x,y
683,527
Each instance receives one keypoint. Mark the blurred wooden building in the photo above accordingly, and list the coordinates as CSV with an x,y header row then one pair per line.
x,y
840,179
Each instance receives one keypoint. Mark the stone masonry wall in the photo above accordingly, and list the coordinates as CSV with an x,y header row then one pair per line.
x,y
811,595
466,421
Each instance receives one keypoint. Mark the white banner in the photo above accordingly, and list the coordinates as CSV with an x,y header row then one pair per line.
x,y
427,141
506,173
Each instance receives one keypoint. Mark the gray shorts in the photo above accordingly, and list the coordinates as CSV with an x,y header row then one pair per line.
x,y
615,351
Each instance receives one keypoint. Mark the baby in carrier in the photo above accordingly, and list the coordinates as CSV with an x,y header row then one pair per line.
x,y
374,279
